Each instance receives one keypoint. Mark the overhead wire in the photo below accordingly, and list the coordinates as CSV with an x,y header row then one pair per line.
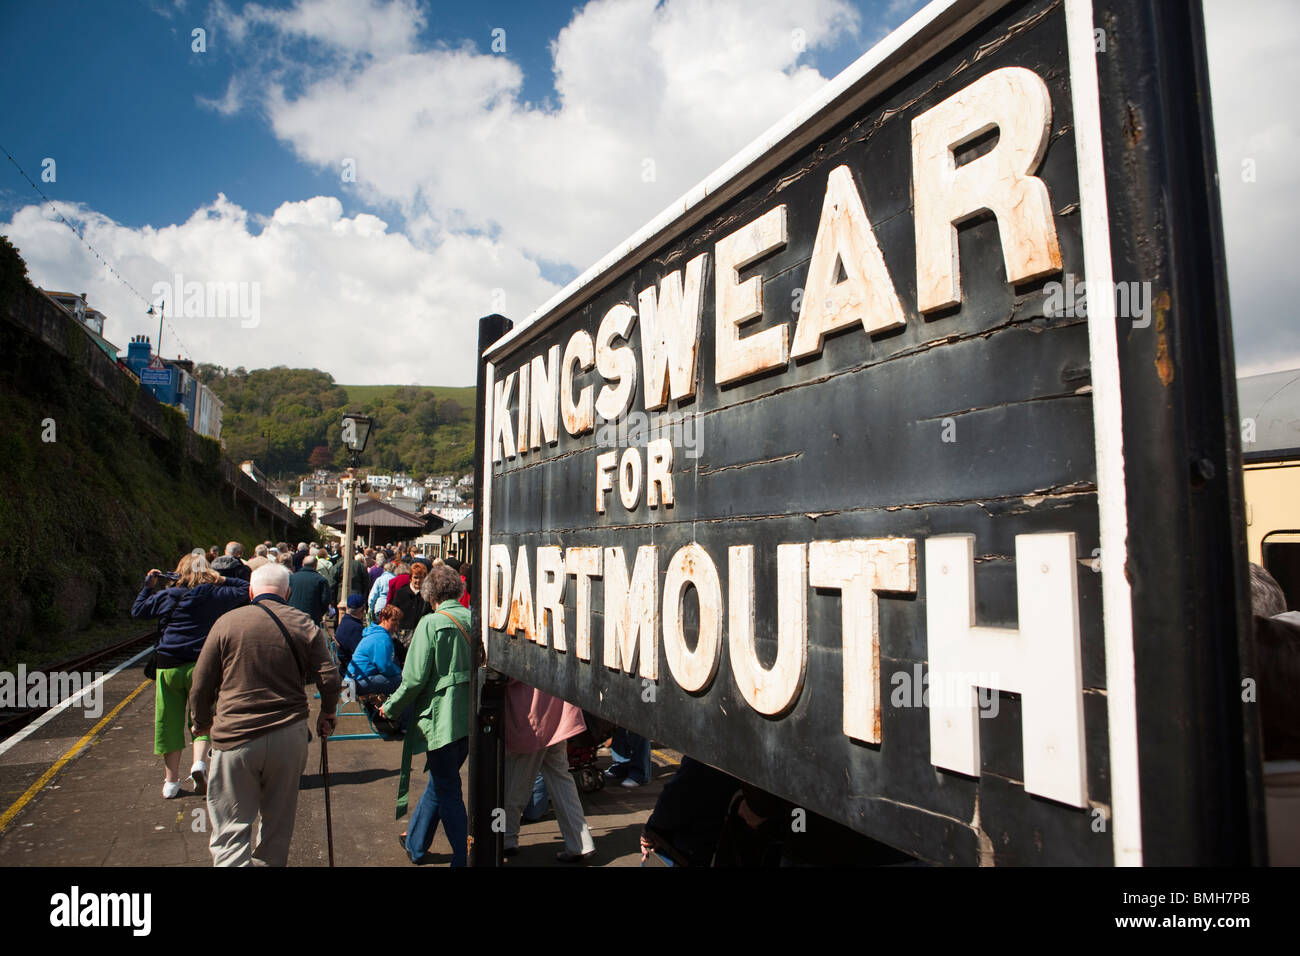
x,y
96,253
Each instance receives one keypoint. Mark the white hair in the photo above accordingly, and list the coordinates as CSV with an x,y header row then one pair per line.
x,y
234,549
270,579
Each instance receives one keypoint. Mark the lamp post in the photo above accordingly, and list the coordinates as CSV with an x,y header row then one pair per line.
x,y
356,431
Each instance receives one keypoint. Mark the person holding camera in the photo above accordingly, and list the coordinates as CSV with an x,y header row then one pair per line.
x,y
190,603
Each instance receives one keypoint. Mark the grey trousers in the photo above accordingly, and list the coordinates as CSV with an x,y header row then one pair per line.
x,y
553,762
257,778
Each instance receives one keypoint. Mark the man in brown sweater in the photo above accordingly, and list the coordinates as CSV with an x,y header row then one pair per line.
x,y
248,696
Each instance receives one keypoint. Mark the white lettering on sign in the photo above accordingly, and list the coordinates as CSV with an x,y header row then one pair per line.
x,y
1015,103
632,612
551,580
615,363
858,569
521,599
524,405
769,691
584,564
978,151
546,386
670,330
740,302
1040,661
692,567
503,433
579,414
498,586
659,473
847,283
844,241
606,463
629,478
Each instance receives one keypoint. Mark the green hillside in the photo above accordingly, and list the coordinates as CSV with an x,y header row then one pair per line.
x,y
92,502
288,421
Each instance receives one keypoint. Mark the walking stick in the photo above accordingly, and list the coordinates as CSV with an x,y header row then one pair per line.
x,y
325,776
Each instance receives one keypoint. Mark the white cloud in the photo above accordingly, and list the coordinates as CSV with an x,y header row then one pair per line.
x,y
371,27
651,98
333,292
1254,75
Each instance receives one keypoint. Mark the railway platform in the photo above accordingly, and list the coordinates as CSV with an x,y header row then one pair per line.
x,y
82,788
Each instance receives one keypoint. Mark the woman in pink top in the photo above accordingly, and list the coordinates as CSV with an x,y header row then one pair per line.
x,y
537,726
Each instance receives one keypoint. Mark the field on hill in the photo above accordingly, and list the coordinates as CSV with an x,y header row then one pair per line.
x,y
361,395
289,421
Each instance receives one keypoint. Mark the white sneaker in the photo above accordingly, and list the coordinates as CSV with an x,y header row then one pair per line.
x,y
171,790
199,777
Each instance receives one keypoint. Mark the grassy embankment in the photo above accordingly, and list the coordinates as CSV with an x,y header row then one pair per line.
x,y
83,516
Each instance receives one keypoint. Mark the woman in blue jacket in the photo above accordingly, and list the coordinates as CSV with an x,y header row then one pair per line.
x,y
373,668
188,610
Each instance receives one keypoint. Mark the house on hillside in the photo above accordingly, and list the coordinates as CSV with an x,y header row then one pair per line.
x,y
92,320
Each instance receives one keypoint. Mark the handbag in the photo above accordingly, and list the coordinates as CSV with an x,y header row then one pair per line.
x,y
387,727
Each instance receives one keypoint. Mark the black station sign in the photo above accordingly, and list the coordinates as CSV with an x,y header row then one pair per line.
x,y
839,475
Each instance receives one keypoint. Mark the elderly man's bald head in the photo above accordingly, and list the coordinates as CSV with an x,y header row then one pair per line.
x,y
270,579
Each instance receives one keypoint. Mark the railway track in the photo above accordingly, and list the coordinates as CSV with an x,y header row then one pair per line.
x,y
14,719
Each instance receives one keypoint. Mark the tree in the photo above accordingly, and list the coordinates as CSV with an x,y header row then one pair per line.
x,y
320,457
449,411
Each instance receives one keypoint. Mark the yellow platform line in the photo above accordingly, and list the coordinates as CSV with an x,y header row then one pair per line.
x,y
668,761
59,764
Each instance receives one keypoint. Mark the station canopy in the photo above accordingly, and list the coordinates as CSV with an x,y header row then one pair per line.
x,y
381,523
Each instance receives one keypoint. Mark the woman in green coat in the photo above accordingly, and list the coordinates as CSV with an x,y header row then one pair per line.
x,y
436,681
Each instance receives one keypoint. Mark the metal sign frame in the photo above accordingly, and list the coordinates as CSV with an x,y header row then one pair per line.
x,y
1169,744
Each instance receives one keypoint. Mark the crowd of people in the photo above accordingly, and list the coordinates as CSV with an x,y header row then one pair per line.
x,y
240,639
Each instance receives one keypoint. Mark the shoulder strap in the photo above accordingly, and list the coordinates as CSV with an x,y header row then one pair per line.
x,y
302,672
463,632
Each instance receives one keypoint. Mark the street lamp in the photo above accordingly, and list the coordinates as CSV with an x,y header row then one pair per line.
x,y
356,432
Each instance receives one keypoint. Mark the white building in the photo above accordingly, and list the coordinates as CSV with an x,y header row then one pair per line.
x,y
447,496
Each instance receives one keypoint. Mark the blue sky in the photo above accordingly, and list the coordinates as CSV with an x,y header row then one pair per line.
x,y
127,83
484,179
